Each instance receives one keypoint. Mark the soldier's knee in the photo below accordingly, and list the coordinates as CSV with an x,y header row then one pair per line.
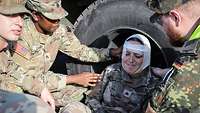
x,y
75,107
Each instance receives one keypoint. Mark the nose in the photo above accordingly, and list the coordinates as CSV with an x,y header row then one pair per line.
x,y
132,58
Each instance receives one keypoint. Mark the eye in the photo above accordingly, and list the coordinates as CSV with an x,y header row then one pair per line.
x,y
138,55
128,53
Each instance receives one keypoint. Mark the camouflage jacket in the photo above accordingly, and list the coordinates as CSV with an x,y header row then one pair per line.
x,y
183,93
35,52
6,68
121,93
13,77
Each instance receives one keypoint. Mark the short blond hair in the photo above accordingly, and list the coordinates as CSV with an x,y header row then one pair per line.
x,y
191,8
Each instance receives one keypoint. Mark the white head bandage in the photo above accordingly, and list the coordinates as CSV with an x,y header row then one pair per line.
x,y
139,49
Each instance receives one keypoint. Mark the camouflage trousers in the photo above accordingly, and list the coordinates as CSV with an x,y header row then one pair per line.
x,y
69,94
21,103
75,107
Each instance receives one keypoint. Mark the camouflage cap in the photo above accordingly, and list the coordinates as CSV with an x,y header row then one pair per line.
x,y
164,6
8,7
51,9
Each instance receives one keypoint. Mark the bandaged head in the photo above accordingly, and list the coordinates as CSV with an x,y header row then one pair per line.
x,y
143,49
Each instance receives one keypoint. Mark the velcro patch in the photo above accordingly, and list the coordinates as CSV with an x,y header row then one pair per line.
x,y
22,51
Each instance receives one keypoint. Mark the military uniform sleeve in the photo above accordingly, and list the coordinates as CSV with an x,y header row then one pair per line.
x,y
50,80
95,98
182,89
34,82
185,95
71,46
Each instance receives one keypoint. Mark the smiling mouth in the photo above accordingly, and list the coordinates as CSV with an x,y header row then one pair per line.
x,y
131,64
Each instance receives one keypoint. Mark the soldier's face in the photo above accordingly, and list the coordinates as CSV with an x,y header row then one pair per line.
x,y
11,26
48,25
131,61
172,29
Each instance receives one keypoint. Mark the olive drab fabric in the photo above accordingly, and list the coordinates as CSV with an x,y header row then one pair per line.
x,y
20,103
51,9
8,7
36,52
164,6
184,93
120,93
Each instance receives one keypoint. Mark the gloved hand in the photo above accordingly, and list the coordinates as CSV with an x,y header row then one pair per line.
x,y
116,52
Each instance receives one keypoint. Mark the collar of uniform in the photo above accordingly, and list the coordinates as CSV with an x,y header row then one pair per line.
x,y
141,79
44,38
191,48
195,34
31,32
37,37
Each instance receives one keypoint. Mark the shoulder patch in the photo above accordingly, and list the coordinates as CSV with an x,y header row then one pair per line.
x,y
22,51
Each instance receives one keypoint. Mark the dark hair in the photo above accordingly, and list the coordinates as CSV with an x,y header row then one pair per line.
x,y
136,39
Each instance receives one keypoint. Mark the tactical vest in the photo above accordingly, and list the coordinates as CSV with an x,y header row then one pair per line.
x,y
128,96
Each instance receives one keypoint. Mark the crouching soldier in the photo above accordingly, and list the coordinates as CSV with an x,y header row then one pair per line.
x,y
11,22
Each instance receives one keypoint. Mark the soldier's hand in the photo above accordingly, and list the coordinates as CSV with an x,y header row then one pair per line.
x,y
85,79
116,52
48,98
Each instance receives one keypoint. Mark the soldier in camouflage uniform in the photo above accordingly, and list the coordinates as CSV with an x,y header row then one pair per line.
x,y
36,51
125,87
180,19
11,21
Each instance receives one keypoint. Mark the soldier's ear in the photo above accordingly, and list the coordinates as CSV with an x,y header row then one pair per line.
x,y
175,15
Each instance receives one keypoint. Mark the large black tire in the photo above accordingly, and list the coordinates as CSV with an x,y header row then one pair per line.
x,y
105,18
111,21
